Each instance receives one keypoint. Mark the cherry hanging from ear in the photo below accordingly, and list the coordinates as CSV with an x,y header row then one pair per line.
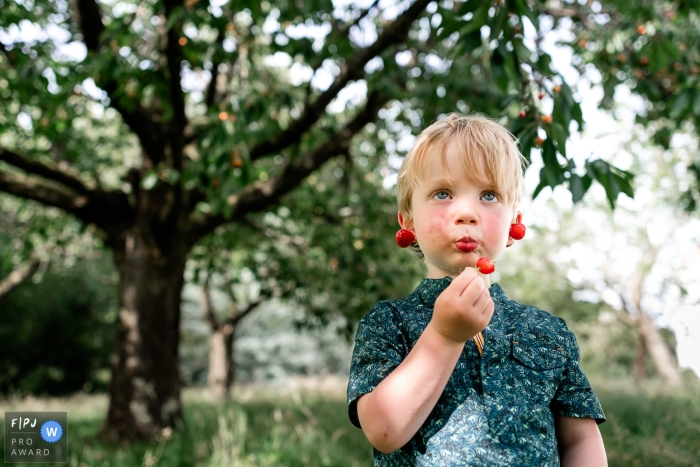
x,y
517,230
404,238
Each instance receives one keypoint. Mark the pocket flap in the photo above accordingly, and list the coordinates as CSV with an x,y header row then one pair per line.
x,y
538,352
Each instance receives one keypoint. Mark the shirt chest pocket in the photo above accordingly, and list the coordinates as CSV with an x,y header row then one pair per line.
x,y
537,364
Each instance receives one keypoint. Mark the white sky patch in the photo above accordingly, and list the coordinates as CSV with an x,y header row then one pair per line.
x,y
229,45
300,74
90,88
373,65
317,32
352,94
279,59
403,57
215,7
123,8
364,33
73,51
192,81
325,75
25,121
437,64
271,25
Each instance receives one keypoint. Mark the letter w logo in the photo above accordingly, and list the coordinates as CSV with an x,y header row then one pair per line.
x,y
52,431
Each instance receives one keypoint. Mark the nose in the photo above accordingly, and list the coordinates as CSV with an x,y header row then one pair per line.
x,y
465,212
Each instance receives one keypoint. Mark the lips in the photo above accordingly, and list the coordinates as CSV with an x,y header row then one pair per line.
x,y
466,244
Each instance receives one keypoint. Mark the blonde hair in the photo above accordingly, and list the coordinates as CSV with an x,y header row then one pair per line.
x,y
491,157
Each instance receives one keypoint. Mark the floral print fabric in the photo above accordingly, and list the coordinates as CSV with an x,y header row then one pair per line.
x,y
495,410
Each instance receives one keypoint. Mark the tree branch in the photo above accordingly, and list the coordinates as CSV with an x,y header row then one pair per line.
x,y
175,57
109,210
207,309
352,69
138,118
37,168
260,195
235,319
19,275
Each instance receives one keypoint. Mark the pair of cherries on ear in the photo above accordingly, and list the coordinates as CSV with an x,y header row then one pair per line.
x,y
405,238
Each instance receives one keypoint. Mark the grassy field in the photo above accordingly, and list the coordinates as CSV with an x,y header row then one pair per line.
x,y
306,425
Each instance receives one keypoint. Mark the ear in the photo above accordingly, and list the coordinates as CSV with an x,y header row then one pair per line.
x,y
405,223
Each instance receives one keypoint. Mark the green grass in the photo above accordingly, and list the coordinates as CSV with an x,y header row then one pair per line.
x,y
651,425
647,426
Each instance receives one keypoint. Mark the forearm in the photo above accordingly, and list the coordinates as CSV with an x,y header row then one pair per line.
x,y
392,413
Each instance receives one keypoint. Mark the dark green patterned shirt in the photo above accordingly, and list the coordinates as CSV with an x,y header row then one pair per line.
x,y
497,410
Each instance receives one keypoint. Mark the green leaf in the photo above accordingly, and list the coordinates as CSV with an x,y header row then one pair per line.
x,y
542,185
681,104
523,9
560,136
521,50
526,141
543,62
696,104
498,22
149,181
478,19
470,6
576,188
553,173
662,137
517,125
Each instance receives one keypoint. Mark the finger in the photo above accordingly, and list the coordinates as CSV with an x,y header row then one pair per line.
x,y
474,289
482,303
463,280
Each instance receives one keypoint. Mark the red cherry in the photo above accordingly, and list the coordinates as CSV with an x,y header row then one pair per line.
x,y
404,238
540,96
485,266
517,231
522,114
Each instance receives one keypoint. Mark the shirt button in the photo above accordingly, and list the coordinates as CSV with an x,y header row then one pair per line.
x,y
539,360
491,371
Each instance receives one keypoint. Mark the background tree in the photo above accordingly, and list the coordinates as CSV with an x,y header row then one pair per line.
x,y
178,118
328,248
648,46
56,329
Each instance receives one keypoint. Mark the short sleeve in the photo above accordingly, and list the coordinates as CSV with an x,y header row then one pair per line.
x,y
575,396
379,349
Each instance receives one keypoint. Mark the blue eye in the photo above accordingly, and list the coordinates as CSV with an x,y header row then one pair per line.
x,y
441,195
490,197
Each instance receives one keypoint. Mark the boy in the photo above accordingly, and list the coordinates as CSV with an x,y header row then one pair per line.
x,y
422,387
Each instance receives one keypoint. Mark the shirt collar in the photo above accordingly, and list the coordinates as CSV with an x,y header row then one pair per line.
x,y
429,289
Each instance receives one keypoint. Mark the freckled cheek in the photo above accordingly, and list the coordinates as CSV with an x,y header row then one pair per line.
x,y
434,226
495,227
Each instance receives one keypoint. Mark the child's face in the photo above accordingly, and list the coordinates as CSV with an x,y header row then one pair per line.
x,y
455,219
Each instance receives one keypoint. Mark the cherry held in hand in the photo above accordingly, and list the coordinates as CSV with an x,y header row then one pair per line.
x,y
485,266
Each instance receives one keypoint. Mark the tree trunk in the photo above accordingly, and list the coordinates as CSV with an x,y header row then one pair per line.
x,y
221,366
660,354
145,386
640,359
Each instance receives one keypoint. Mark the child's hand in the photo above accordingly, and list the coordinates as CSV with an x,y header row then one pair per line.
x,y
464,308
